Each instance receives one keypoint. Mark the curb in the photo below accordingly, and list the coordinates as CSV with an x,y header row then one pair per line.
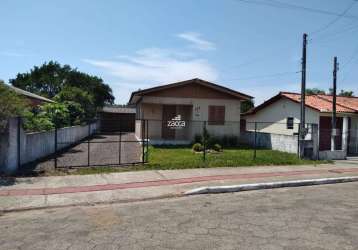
x,y
88,204
269,185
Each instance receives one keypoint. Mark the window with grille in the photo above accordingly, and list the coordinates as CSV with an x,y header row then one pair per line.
x,y
290,123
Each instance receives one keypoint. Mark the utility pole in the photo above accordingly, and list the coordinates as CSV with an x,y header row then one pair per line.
x,y
334,109
302,130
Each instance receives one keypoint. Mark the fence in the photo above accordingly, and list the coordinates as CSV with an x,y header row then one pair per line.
x,y
103,148
353,142
83,146
276,136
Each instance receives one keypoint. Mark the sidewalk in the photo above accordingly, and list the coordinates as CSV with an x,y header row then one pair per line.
x,y
40,192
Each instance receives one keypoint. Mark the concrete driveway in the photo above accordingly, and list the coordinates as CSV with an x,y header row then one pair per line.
x,y
103,150
318,217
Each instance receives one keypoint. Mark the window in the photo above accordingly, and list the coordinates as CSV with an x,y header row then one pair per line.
x,y
289,122
216,115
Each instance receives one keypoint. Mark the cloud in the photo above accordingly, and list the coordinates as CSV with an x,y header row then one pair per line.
x,y
12,54
153,66
197,41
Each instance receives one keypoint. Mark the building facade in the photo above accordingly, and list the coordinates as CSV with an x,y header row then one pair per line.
x,y
175,113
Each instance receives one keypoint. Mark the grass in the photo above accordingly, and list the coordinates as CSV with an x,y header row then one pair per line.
x,y
171,157
183,157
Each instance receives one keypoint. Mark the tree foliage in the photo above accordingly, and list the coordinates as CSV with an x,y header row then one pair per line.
x,y
71,96
11,104
57,113
315,91
347,93
51,78
48,116
35,122
247,105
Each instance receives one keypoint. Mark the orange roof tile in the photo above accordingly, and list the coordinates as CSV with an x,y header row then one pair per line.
x,y
324,103
321,103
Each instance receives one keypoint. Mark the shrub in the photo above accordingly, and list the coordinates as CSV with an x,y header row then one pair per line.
x,y
205,136
11,105
197,138
197,147
233,141
217,148
57,113
37,122
76,113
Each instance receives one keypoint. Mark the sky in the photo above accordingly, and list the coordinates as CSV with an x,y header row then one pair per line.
x,y
245,45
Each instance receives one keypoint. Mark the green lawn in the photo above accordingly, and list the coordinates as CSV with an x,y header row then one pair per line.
x,y
184,158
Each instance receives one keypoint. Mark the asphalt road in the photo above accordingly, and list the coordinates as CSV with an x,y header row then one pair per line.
x,y
317,217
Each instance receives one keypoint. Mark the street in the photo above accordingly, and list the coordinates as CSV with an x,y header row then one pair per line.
x,y
316,217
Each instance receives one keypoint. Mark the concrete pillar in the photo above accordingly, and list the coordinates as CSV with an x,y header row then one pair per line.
x,y
345,134
10,147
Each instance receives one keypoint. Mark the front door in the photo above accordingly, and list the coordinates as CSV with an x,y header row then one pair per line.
x,y
325,131
169,112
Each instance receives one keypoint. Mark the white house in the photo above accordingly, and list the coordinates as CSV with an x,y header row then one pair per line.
x,y
281,115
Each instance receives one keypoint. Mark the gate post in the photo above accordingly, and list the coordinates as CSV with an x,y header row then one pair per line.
x,y
147,142
255,139
18,142
204,140
55,146
120,144
143,130
88,143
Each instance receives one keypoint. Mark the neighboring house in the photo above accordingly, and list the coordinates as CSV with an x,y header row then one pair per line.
x,y
117,118
175,113
34,100
281,115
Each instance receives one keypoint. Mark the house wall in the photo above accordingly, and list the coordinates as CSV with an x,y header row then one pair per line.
x,y
151,108
273,118
154,114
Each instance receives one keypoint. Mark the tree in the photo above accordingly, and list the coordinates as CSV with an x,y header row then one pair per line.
x,y
35,122
347,93
57,113
50,78
315,91
247,105
76,113
72,96
11,105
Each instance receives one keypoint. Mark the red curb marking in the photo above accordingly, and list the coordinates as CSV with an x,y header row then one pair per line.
x,y
107,187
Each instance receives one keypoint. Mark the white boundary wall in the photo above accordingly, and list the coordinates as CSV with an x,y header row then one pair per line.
x,y
34,146
284,143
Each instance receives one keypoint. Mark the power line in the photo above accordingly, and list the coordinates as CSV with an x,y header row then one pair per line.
x,y
351,58
282,5
324,27
265,76
333,36
349,61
